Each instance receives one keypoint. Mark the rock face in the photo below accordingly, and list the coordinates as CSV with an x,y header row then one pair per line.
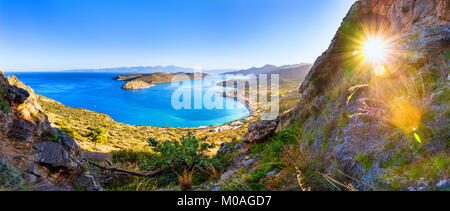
x,y
404,17
362,133
54,155
137,84
260,131
22,130
33,153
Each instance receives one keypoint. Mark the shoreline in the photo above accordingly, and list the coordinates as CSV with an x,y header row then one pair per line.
x,y
251,112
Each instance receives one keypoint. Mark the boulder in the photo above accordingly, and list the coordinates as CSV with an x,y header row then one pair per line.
x,y
17,95
54,155
71,145
22,130
86,183
260,131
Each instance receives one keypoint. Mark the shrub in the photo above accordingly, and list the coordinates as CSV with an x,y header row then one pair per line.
x,y
365,160
4,106
98,136
9,178
187,153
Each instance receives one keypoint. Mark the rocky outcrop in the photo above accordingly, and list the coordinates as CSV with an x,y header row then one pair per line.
x,y
404,17
54,155
137,84
33,153
359,129
260,131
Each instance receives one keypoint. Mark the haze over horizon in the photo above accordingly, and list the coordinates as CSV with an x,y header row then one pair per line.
x,y
51,35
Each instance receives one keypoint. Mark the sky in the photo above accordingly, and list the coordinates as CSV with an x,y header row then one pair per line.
x,y
50,35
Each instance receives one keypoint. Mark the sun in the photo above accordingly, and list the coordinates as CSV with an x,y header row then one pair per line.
x,y
375,51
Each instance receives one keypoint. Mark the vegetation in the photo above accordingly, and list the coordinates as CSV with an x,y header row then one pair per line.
x,y
187,153
4,106
184,161
9,178
365,160
98,135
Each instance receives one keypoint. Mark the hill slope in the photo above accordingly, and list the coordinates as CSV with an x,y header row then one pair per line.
x,y
361,125
33,155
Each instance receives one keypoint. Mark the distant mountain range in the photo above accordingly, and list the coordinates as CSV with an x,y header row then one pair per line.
x,y
288,72
150,69
290,75
272,69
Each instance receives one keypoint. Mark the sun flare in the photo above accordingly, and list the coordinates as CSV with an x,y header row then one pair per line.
x,y
375,50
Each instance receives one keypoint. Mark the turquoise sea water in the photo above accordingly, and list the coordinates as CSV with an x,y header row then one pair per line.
x,y
149,107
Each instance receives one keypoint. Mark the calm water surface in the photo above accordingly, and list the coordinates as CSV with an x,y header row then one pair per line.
x,y
149,107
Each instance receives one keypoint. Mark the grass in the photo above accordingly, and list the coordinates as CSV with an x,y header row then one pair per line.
x,y
432,168
365,160
4,106
447,54
185,180
9,178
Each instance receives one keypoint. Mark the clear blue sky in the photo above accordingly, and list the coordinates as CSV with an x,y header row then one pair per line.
x,y
212,34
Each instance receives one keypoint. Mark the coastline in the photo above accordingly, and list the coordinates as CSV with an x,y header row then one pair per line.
x,y
79,122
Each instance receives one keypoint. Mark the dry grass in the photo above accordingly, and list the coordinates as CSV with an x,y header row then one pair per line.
x,y
213,173
185,180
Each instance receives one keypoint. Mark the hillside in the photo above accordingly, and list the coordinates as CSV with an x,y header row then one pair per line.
x,y
33,154
371,116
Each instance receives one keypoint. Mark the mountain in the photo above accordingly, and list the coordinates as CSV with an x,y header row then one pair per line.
x,y
150,69
268,69
374,112
290,75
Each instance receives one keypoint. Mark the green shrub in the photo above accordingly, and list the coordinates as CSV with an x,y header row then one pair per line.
x,y
272,149
365,160
9,178
98,136
187,153
4,106
447,54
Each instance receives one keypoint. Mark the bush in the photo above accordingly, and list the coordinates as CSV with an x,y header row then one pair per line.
x,y
365,160
9,178
186,153
4,106
98,136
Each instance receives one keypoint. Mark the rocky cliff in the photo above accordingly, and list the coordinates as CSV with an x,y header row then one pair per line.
x,y
33,155
379,125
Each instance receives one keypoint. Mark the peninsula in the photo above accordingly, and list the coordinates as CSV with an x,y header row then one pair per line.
x,y
143,81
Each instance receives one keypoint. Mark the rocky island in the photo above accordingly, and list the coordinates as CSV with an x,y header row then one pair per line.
x,y
137,84
143,81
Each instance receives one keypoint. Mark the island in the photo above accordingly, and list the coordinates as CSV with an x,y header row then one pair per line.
x,y
144,81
